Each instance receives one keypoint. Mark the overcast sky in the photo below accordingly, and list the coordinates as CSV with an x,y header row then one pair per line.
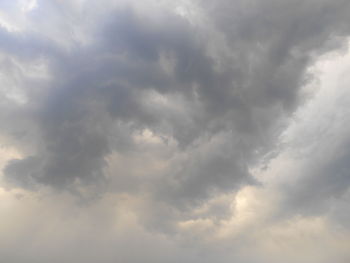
x,y
188,131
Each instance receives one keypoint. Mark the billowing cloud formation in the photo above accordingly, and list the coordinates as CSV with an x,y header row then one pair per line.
x,y
165,113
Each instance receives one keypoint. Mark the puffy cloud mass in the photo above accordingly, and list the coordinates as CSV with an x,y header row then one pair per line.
x,y
174,131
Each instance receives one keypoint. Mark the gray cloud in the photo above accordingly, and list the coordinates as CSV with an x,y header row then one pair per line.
x,y
321,155
215,91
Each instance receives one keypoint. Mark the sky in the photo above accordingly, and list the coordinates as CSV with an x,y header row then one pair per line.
x,y
160,131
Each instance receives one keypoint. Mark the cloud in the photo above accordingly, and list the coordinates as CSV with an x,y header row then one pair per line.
x,y
167,112
93,86
316,143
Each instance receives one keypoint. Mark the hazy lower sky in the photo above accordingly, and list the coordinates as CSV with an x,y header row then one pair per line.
x,y
189,131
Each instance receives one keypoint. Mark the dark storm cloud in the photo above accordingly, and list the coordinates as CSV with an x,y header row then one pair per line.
x,y
233,94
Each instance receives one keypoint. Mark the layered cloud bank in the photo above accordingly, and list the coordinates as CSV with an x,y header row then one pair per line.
x,y
186,131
